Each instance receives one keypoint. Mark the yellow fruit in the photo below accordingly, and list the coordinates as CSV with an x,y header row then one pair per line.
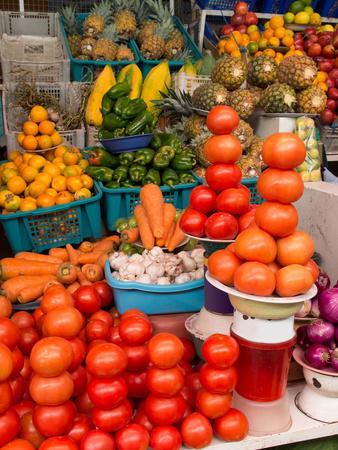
x,y
82,193
298,52
44,178
59,183
279,33
3,195
27,157
279,57
75,150
52,192
28,204
236,54
289,32
12,203
134,74
237,37
262,43
30,143
18,160
274,42
22,167
13,155
74,183
268,33
322,76
254,36
70,158
7,174
267,25
103,83
269,52
315,19
44,141
252,28
56,138
36,188
87,181
158,80
37,161
276,22
70,171
83,163
230,46
60,151
30,128
38,114
46,127
20,138
287,40
245,40
61,166
302,18
64,197
323,85
45,200
9,165
49,155
52,169
17,185
78,169
56,160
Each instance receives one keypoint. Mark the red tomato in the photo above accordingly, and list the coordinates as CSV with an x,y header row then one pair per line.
x,y
313,268
28,430
224,148
165,350
137,386
246,220
255,278
107,394
189,396
135,330
97,440
24,407
193,382
6,396
202,199
18,444
6,307
234,201
6,365
221,225
293,280
9,426
9,333
51,356
18,387
79,377
254,244
142,419
223,176
297,248
233,426
97,329
113,420
28,337
133,312
54,420
222,265
222,120
192,222
114,336
189,350
23,319
185,367
283,151
84,404
105,292
106,360
196,431
220,351
59,443
277,219
63,321
165,438
101,314
55,296
218,381
18,362
37,314
247,192
165,382
82,425
165,411
138,357
87,300
26,371
95,343
132,437
51,391
211,405
79,352
284,186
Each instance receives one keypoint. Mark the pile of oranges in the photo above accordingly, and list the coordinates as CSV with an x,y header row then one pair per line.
x,y
38,132
30,181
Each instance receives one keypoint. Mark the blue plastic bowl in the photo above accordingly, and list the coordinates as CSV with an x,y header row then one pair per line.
x,y
31,306
127,143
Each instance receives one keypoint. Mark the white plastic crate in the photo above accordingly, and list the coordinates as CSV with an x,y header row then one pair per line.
x,y
29,23
91,137
183,82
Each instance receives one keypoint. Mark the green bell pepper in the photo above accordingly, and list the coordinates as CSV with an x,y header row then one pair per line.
x,y
160,161
134,108
186,178
128,184
119,90
105,134
182,163
137,172
114,184
152,176
156,142
168,151
119,132
187,151
106,105
170,177
144,156
172,140
111,121
120,173
139,123
121,224
132,222
126,158
100,173
120,104
129,249
98,156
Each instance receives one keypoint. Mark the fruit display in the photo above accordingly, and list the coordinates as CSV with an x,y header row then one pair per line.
x,y
300,12
309,170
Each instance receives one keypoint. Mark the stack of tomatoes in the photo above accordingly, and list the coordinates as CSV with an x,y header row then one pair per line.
x,y
220,209
271,255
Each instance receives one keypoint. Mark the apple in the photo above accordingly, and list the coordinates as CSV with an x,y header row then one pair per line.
x,y
326,65
242,29
310,30
299,46
241,8
327,117
333,73
331,104
298,34
314,50
330,83
251,18
328,51
324,39
313,38
227,29
335,42
237,19
333,93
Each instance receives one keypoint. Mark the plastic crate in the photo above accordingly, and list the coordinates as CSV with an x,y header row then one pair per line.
x,y
121,202
148,64
69,96
154,299
328,8
82,70
55,226
185,83
222,4
91,137
29,23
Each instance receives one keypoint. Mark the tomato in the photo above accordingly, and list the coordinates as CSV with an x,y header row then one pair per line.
x,y
138,357
6,396
79,352
23,319
6,307
51,356
165,382
97,440
18,444
165,438
223,176
26,371
233,426
165,350
202,199
283,151
277,219
284,186
133,312
221,225
231,248
51,391
223,148
106,360
254,244
211,405
189,396
28,430
246,220
82,424
255,278
28,337
193,382
222,265
37,314
114,335
6,359
24,407
165,411
274,267
105,292
63,321
297,248
54,297
218,381
135,330
189,350
234,201
107,394
59,443
196,431
142,419
137,386
54,420
18,362
79,377
246,191
185,367
113,420
192,222
103,315
97,329
132,437
95,343
220,351
293,280
18,387
222,120
84,404
9,333
313,268
9,426
87,300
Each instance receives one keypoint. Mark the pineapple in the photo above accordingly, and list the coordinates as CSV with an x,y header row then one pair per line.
x,y
244,133
173,48
125,17
124,53
252,163
278,98
106,48
71,26
87,47
262,71
208,95
155,46
297,71
146,30
243,101
257,93
230,72
312,100
194,126
174,105
97,20
198,145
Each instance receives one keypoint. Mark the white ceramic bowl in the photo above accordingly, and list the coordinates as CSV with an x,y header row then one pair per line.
x,y
205,323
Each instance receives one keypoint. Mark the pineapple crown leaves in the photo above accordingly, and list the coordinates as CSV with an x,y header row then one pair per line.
x,y
110,32
102,9
186,54
68,13
173,103
159,11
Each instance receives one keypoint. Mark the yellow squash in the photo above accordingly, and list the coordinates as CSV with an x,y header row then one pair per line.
x,y
158,80
188,68
133,75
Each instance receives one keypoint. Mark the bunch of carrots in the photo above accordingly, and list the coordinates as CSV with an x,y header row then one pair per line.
x,y
26,276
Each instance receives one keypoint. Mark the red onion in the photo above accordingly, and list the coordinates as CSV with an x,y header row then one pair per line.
x,y
314,307
323,282
320,331
305,309
334,360
332,346
336,334
328,305
302,337
317,355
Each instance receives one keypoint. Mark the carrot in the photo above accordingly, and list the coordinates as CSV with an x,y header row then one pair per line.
x,y
177,238
130,236
60,253
12,267
52,283
101,260
86,247
13,286
73,254
92,272
144,227
152,201
66,273
170,234
103,246
30,256
31,293
169,214
81,278
73,287
88,258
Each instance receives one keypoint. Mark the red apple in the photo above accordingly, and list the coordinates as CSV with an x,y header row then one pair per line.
x,y
324,39
327,117
241,8
333,73
227,29
310,30
299,46
251,18
333,93
331,104
314,50
237,19
313,38
335,41
328,51
326,65
298,34
330,83
241,29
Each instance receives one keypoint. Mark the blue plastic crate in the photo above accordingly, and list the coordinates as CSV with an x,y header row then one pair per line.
x,y
222,4
82,70
328,8
121,202
155,299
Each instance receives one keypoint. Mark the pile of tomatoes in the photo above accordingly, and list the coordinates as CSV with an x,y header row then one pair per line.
x,y
221,209
271,255
76,377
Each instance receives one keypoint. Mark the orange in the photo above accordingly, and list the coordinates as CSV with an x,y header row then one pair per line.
x,y
38,114
78,169
47,127
75,150
44,178
57,160
279,58
20,138
56,138
236,54
298,52
287,41
276,22
268,33
13,155
30,128
29,173
269,52
64,197
230,45
52,169
254,36
45,201
27,157
259,53
279,33
30,143
7,174
274,42
16,185
237,37
322,76
289,32
27,204
70,171
12,203
70,158
9,165
83,163
87,181
74,183
49,155
58,152
59,183
245,40
36,188
37,161
18,160
262,43
61,166
52,192
44,141
323,85
22,167
3,195
82,193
